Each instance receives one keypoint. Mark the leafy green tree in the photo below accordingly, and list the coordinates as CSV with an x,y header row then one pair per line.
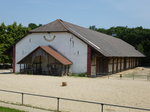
x,y
9,35
33,26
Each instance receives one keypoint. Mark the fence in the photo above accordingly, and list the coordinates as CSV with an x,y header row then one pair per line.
x,y
73,100
131,76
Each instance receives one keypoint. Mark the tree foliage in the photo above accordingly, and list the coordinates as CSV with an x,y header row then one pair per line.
x,y
9,35
33,26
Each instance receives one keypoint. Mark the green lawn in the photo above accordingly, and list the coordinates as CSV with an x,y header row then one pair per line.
x,y
6,109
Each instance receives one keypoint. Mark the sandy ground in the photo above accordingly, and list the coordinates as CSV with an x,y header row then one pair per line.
x,y
139,73
101,89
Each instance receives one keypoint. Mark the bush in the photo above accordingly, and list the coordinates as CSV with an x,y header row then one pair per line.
x,y
79,75
82,75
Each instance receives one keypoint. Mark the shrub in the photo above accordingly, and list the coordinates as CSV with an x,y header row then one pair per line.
x,y
79,75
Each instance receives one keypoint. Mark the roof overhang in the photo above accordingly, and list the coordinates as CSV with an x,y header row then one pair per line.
x,y
50,51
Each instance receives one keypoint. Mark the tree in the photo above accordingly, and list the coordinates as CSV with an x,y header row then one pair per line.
x,y
33,26
9,35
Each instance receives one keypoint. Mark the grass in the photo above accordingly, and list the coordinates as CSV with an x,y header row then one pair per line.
x,y
79,75
28,105
6,109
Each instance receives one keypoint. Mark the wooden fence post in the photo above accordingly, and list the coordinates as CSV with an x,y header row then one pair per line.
x,y
57,104
22,98
102,107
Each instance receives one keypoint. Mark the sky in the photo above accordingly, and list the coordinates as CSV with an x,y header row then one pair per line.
x,y
101,13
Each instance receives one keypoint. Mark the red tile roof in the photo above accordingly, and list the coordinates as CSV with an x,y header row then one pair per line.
x,y
52,53
56,55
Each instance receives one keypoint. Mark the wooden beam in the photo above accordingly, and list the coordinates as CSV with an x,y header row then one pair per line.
x,y
112,64
132,62
125,63
20,68
68,69
89,61
136,62
116,64
120,64
106,65
128,62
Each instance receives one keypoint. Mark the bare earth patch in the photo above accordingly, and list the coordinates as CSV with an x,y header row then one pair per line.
x,y
113,91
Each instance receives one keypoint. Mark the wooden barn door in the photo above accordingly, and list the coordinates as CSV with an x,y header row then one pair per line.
x,y
101,65
98,65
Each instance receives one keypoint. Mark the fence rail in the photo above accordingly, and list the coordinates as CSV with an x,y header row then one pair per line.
x,y
74,100
130,76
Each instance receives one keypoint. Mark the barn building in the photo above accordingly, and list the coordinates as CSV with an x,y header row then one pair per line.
x,y
60,48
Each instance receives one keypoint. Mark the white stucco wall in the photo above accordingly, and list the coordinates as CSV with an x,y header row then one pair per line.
x,y
67,44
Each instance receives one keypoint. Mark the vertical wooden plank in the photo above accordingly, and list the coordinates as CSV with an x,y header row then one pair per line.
x,y
125,63
48,63
106,65
20,68
131,62
23,67
89,61
97,65
120,64
63,68
117,65
40,65
136,62
128,62
36,69
112,64
68,69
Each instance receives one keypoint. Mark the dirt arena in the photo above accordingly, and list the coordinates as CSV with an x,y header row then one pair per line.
x,y
101,89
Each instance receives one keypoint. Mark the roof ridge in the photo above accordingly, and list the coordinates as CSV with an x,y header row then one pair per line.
x,y
79,35
105,44
61,21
